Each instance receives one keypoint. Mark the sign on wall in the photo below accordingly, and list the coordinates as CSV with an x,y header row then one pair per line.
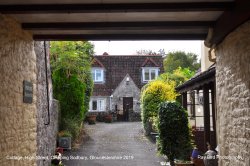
x,y
27,92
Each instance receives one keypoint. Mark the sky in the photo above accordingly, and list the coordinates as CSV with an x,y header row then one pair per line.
x,y
130,47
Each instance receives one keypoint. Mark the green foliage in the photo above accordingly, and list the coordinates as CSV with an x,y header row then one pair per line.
x,y
180,75
72,81
153,94
174,131
151,52
177,59
64,133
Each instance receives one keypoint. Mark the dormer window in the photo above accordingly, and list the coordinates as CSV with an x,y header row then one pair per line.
x,y
149,73
98,75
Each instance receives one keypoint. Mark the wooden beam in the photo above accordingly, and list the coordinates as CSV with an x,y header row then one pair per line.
x,y
116,7
184,100
118,25
101,37
206,112
229,21
213,95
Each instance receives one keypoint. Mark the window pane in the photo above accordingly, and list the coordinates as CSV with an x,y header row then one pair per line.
x,y
94,105
101,105
146,74
98,75
153,74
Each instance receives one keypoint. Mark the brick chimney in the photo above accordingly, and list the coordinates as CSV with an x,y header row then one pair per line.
x,y
105,54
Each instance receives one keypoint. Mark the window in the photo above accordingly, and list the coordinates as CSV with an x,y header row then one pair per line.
x,y
97,105
149,73
97,75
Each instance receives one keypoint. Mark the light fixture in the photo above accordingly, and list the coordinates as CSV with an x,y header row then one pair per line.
x,y
127,80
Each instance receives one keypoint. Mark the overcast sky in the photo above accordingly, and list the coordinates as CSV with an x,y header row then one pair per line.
x,y
130,47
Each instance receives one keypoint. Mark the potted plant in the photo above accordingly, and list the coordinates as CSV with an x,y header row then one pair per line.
x,y
64,139
91,119
183,163
195,159
108,118
174,133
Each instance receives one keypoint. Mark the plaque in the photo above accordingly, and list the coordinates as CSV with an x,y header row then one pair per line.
x,y
27,92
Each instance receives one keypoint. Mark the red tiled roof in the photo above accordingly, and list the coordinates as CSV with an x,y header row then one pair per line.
x,y
116,68
149,62
97,63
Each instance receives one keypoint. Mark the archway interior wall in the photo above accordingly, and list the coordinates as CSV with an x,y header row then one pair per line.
x,y
233,96
17,119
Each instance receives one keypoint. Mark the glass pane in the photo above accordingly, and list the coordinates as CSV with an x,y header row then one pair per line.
x,y
146,74
94,105
153,74
101,105
98,75
200,123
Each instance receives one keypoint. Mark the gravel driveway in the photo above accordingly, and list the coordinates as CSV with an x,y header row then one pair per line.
x,y
115,144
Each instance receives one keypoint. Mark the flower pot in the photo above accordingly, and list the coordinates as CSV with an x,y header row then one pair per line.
x,y
195,153
108,118
92,119
198,162
188,163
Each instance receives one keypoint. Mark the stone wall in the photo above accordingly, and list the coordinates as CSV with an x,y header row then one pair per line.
x,y
127,89
47,125
17,119
233,96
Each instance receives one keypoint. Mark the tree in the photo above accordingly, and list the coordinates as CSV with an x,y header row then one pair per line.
x,y
150,52
179,75
72,81
173,60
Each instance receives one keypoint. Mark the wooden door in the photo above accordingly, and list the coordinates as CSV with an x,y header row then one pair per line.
x,y
127,105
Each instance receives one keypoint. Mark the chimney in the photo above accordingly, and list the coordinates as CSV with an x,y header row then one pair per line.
x,y
105,54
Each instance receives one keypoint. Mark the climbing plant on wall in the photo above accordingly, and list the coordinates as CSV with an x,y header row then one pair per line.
x,y
72,82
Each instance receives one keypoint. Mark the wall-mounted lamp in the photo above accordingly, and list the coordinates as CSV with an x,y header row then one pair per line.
x,y
127,80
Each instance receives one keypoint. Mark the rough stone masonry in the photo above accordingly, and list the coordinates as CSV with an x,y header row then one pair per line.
x,y
233,97
25,139
17,119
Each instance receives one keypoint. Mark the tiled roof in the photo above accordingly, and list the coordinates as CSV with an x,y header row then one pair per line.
x,y
116,68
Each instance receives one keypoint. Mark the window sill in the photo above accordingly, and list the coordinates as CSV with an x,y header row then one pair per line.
x,y
99,82
96,111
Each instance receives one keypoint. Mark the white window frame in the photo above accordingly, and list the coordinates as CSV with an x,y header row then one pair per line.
x,y
94,71
150,69
101,105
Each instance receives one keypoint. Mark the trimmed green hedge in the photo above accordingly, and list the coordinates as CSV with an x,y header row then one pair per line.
x,y
174,132
72,82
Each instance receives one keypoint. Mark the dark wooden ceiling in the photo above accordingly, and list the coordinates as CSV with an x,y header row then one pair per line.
x,y
117,19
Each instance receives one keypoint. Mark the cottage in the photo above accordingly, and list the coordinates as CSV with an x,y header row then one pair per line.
x,y
118,81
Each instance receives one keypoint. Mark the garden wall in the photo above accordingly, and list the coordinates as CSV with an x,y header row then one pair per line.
x,y
47,120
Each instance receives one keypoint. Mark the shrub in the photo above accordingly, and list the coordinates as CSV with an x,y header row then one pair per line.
x,y
174,132
153,94
72,82
64,133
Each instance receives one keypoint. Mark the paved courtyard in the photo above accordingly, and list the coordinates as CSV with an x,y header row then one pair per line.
x,y
115,144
